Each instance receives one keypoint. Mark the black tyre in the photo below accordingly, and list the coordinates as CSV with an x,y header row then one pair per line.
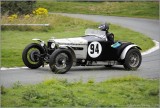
x,y
61,61
133,59
31,56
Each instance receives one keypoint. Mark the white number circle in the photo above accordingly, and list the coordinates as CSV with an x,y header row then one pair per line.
x,y
94,49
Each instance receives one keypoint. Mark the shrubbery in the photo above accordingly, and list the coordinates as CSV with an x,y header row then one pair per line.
x,y
36,17
41,11
17,7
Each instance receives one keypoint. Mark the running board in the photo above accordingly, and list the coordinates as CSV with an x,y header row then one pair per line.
x,y
97,63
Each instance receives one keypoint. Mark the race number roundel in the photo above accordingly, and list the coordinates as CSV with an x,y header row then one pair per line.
x,y
94,49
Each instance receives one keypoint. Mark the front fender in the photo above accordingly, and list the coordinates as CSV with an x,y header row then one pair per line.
x,y
72,52
42,43
124,52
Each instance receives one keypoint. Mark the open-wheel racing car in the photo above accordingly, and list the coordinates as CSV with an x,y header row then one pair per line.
x,y
96,48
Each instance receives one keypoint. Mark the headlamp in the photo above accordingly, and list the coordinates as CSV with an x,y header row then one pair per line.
x,y
53,45
42,43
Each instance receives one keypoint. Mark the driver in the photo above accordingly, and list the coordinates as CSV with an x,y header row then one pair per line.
x,y
109,36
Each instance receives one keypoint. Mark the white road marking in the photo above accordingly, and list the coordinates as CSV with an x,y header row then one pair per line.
x,y
156,47
13,68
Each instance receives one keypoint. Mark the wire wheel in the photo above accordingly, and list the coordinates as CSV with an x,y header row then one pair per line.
x,y
133,59
61,61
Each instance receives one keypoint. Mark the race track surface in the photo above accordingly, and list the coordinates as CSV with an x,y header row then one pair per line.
x,y
149,68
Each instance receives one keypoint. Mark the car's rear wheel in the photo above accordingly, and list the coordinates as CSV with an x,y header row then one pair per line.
x,y
133,59
61,61
31,55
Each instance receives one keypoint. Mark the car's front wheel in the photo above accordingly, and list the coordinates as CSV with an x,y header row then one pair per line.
x,y
133,59
61,61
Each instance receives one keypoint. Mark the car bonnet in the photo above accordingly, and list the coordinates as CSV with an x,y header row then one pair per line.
x,y
71,41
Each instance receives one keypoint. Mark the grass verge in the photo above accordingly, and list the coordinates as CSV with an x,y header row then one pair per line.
x,y
15,39
130,9
127,91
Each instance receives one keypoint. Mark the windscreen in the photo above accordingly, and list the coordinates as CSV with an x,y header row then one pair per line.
x,y
96,33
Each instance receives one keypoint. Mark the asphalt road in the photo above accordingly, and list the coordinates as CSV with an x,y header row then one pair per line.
x,y
149,68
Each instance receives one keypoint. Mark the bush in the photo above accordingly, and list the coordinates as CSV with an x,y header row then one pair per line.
x,y
41,11
17,7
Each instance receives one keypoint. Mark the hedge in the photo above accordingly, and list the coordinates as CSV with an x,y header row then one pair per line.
x,y
17,7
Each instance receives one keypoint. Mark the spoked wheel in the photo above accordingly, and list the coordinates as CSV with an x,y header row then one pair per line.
x,y
133,59
31,56
61,61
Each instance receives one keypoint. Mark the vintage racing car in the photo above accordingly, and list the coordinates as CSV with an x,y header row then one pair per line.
x,y
96,47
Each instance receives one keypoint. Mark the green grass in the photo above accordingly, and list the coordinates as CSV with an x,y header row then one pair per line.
x,y
15,39
127,91
129,9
